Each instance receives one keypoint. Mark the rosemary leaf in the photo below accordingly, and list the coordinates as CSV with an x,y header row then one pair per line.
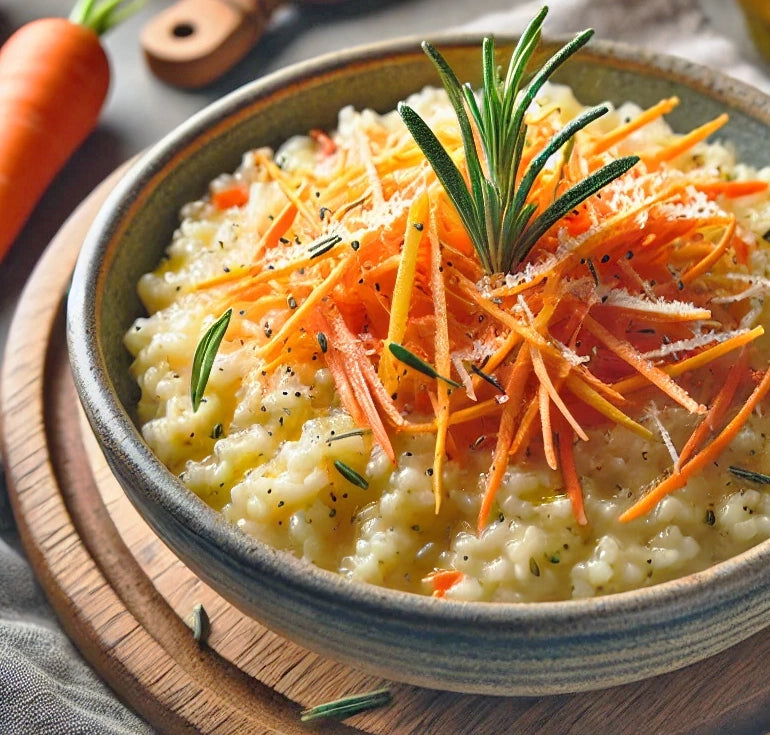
x,y
744,474
347,706
350,474
413,361
203,359
348,434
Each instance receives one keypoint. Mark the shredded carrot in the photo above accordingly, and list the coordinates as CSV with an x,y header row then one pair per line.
x,y
442,580
569,472
703,458
628,299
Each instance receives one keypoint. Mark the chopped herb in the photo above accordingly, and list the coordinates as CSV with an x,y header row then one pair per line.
x,y
757,477
347,706
491,379
203,359
350,474
323,245
413,361
217,431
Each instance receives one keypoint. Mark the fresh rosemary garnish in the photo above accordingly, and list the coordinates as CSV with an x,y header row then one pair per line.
x,y
501,223
350,474
347,706
413,361
744,474
203,360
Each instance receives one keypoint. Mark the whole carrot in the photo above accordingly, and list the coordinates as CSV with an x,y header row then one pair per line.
x,y
54,78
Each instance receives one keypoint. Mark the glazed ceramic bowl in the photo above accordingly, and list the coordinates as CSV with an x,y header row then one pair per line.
x,y
509,649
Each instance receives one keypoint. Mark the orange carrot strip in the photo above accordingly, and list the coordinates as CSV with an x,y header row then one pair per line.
x,y
732,189
326,144
346,344
545,380
704,265
687,141
718,408
442,580
304,309
514,389
653,374
569,472
623,131
701,460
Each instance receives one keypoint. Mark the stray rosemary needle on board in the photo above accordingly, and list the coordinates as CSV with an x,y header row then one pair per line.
x,y
347,706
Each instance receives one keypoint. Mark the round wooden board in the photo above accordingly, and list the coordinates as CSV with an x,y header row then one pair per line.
x,y
123,597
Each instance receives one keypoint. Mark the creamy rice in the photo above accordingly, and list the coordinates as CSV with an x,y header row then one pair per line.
x,y
261,447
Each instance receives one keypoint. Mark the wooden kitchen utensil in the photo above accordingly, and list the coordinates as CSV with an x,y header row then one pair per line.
x,y
194,42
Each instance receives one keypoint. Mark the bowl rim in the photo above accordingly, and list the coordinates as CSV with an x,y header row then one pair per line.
x,y
103,406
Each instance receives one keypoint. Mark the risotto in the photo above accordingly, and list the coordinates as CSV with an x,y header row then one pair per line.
x,y
316,435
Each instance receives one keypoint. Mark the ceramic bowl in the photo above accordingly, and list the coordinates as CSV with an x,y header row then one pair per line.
x,y
505,649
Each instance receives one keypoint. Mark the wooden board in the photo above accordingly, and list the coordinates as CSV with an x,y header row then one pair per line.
x,y
123,597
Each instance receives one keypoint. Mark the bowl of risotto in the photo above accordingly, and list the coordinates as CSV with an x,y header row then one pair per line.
x,y
476,438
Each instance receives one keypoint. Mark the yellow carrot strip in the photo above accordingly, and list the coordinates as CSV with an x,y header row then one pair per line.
x,y
569,472
514,390
304,309
461,416
592,398
718,408
627,352
704,265
442,358
635,382
402,290
687,141
701,460
623,131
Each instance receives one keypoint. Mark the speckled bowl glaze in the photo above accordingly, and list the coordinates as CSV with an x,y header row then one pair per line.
x,y
505,649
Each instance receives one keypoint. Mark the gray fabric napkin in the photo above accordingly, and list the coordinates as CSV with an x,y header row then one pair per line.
x,y
45,686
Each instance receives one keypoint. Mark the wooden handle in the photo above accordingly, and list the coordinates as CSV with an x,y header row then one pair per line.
x,y
193,42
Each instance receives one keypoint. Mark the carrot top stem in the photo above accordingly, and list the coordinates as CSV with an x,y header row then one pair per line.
x,y
102,15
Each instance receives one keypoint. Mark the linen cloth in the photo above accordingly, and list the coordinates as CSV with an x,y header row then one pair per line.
x,y
45,685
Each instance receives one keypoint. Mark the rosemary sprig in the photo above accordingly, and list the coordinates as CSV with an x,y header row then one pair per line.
x,y
203,359
347,706
501,223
